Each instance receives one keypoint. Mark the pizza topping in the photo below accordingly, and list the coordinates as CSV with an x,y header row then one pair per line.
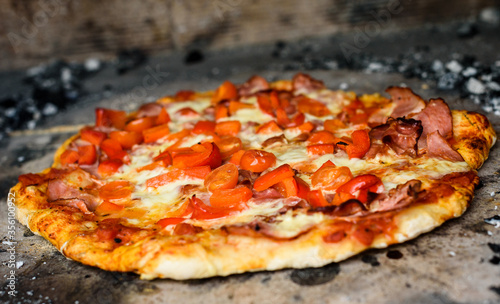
x,y
401,135
399,197
436,116
438,146
74,189
257,160
230,198
406,101
92,136
226,91
303,83
253,85
224,177
150,109
271,178
330,178
110,118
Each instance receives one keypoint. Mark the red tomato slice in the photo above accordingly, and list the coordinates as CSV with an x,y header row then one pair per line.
x,y
155,133
69,157
110,118
109,167
204,127
140,124
257,160
228,145
224,177
331,178
226,91
88,155
195,172
126,139
92,136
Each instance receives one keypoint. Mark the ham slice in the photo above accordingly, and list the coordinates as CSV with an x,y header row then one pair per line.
x,y
406,101
399,197
253,85
149,109
438,146
303,83
76,189
401,135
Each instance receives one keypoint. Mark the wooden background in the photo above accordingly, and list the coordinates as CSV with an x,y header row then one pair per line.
x,y
34,31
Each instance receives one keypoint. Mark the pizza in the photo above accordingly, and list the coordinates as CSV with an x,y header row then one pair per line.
x,y
257,176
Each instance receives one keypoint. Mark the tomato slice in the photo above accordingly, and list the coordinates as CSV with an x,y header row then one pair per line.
x,y
235,106
313,107
228,145
360,144
303,128
226,91
110,118
127,139
202,211
230,128
195,172
257,160
184,95
236,157
322,137
224,177
317,199
271,178
302,188
113,149
327,164
332,125
69,157
331,178
140,124
198,155
155,133
109,167
286,122
269,128
88,155
204,127
107,207
163,117
116,190
221,111
92,136
231,198
287,187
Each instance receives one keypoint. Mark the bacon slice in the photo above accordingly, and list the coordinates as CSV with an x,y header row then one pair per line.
x,y
399,197
400,134
303,83
149,109
438,146
406,101
253,85
435,117
76,189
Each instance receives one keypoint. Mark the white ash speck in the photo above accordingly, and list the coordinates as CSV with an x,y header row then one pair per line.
x,y
454,66
492,193
29,293
494,220
19,264
452,253
49,109
343,86
33,278
475,86
469,72
493,86
489,233
20,159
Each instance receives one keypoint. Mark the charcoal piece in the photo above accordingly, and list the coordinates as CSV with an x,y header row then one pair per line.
x,y
194,56
129,59
449,81
475,86
467,30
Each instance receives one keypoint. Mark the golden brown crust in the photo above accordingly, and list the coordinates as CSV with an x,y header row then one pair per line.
x,y
474,136
217,252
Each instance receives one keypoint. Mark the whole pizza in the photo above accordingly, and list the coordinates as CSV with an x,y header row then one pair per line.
x,y
257,176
